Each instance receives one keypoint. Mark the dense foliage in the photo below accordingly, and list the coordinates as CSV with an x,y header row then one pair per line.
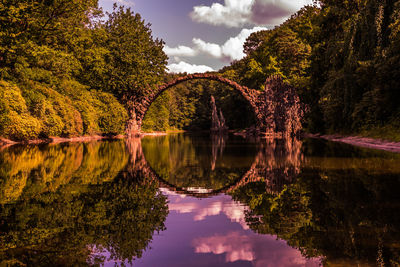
x,y
356,65
59,62
283,51
342,56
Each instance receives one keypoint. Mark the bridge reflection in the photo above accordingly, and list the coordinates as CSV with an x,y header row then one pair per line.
x,y
277,163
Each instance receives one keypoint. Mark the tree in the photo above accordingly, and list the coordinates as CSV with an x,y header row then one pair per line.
x,y
28,28
135,63
283,51
354,67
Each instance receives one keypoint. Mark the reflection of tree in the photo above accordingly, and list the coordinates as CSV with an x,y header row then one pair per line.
x,y
277,164
32,170
185,162
67,225
348,214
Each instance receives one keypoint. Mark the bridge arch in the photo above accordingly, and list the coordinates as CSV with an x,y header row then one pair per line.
x,y
142,105
277,109
248,94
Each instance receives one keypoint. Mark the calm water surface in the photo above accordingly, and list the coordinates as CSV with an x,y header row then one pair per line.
x,y
185,200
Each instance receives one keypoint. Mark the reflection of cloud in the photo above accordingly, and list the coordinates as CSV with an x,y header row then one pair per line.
x,y
236,246
199,190
261,250
171,193
204,208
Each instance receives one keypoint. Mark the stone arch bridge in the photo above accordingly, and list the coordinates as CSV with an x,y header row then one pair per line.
x,y
277,109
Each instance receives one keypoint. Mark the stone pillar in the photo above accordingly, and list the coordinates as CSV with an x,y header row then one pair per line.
x,y
215,123
280,109
132,126
218,123
222,122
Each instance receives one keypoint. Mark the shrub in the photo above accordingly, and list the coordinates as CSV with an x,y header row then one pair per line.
x,y
56,111
20,126
100,111
15,121
36,110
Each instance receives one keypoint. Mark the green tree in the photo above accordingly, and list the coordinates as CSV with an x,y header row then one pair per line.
x,y
41,57
353,74
283,51
134,63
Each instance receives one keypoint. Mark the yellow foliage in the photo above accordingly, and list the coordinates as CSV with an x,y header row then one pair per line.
x,y
34,170
15,121
35,110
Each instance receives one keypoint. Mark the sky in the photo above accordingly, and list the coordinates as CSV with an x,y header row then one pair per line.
x,y
205,35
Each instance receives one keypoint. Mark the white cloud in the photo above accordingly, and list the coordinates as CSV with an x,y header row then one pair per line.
x,y
189,68
233,13
232,49
236,13
180,51
208,48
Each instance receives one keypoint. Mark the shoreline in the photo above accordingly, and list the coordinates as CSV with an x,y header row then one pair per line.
x,y
58,140
4,142
360,141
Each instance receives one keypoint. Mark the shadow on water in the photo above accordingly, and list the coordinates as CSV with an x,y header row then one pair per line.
x,y
100,202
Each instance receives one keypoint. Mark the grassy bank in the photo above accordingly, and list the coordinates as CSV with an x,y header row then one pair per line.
x,y
32,110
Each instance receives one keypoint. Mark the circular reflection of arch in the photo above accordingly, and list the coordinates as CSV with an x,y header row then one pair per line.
x,y
277,163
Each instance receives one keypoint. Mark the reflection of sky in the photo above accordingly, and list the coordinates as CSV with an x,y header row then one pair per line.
x,y
261,250
209,207
213,232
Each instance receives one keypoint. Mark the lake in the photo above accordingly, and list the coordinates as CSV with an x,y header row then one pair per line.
x,y
199,200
